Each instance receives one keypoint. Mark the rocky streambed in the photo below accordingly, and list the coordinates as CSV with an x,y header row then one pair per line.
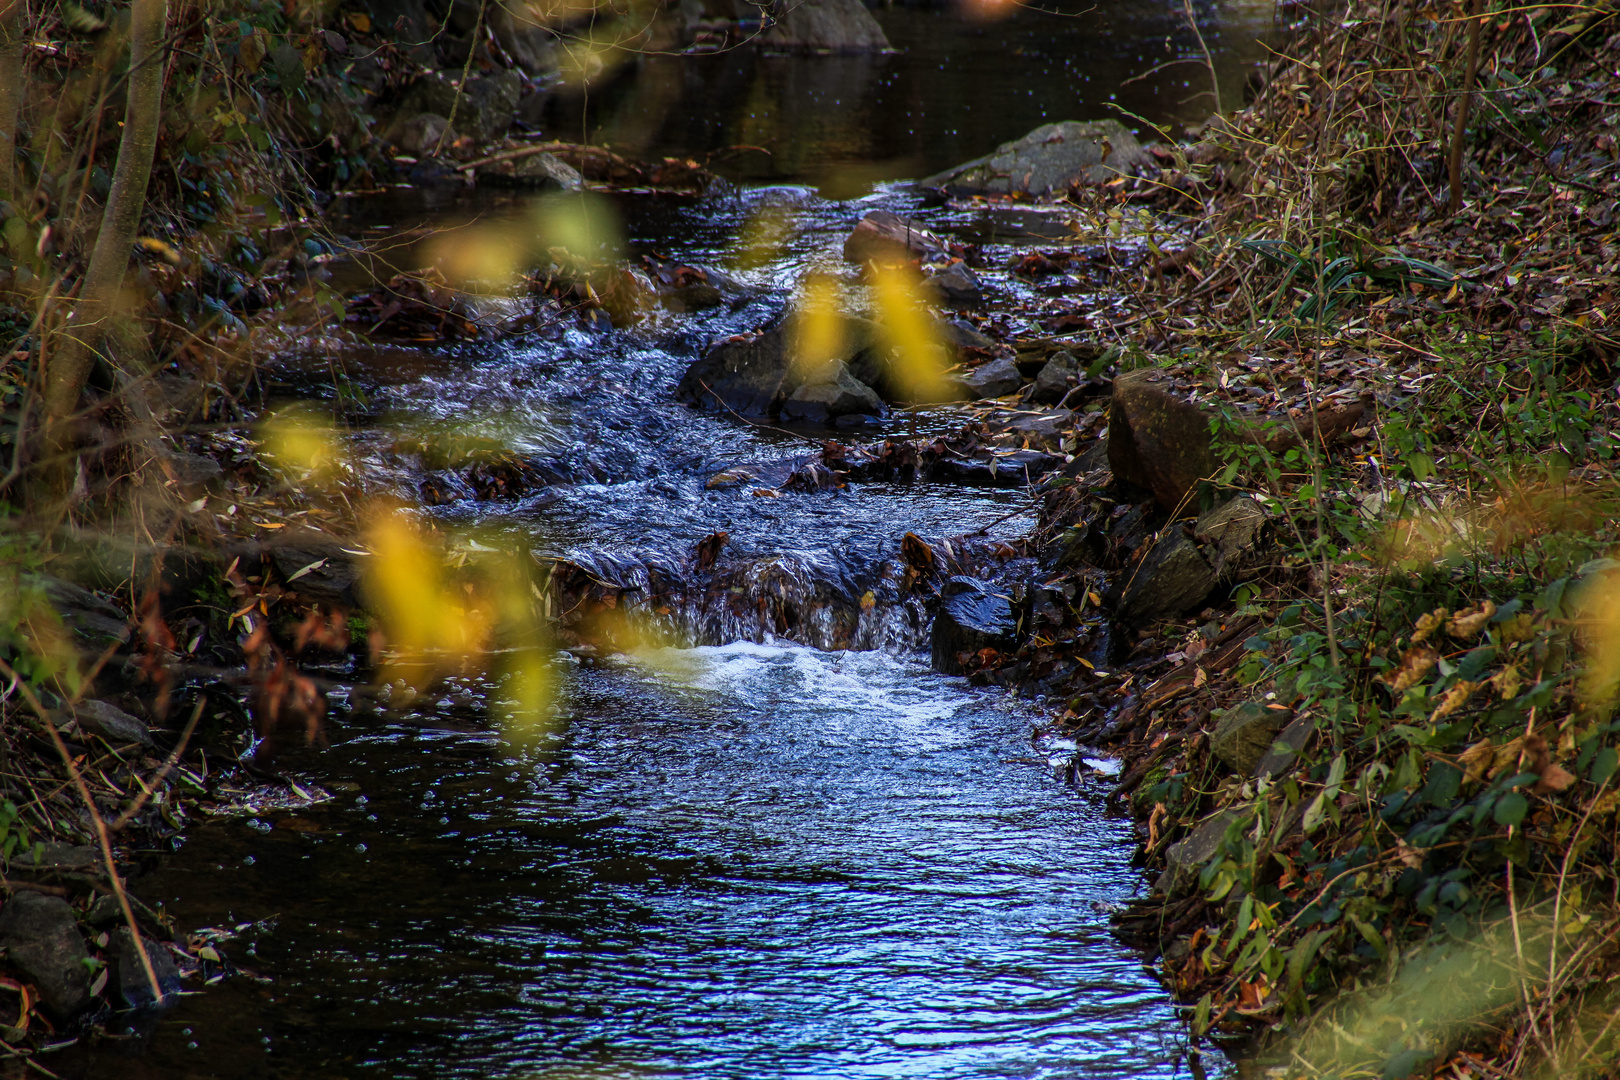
x,y
750,527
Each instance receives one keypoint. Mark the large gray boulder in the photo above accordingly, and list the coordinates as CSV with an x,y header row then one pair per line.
x,y
1051,159
1245,733
831,394
1285,749
111,723
41,939
482,109
827,26
1183,565
1159,439
1184,860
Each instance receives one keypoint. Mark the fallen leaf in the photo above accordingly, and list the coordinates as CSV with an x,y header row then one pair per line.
x,y
1468,624
1506,682
311,568
1414,665
1453,700
1428,624
1476,759
1554,778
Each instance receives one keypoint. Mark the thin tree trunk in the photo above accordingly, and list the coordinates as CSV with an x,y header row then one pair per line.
x,y
1454,160
92,316
12,84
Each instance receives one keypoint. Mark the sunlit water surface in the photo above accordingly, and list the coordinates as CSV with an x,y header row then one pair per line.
x,y
736,861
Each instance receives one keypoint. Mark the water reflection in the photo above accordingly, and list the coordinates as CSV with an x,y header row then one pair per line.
x,y
957,87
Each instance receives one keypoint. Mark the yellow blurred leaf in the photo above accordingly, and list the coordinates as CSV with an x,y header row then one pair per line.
x,y
1598,608
300,442
164,250
819,336
762,238
581,223
909,332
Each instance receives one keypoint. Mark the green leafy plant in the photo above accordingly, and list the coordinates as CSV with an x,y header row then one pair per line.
x,y
1327,275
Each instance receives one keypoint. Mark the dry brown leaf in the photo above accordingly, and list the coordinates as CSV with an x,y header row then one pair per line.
x,y
1506,756
1453,700
1428,624
1414,665
1554,778
1476,759
1507,682
1468,624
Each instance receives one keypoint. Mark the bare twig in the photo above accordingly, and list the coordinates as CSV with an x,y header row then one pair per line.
x,y
101,828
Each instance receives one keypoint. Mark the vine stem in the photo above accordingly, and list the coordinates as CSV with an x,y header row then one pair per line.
x,y
466,69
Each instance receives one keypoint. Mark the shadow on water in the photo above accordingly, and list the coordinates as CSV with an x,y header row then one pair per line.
x,y
956,88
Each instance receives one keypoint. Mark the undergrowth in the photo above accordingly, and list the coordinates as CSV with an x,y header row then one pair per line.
x,y
1417,209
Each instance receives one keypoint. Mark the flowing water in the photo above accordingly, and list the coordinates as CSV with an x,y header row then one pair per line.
x,y
747,858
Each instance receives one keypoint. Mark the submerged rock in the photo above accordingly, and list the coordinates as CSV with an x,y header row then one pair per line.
x,y
887,238
133,984
748,375
757,375
1051,159
41,939
973,616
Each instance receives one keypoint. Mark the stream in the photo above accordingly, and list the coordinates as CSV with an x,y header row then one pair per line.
x,y
748,857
